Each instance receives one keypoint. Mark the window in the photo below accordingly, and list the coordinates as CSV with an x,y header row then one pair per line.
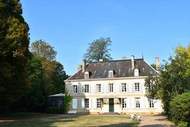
x,y
86,75
98,87
75,88
137,88
74,103
110,74
111,87
137,103
151,103
136,72
124,88
86,103
124,102
99,104
86,88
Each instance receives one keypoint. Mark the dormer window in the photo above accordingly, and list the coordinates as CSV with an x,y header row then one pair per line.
x,y
110,74
136,72
86,75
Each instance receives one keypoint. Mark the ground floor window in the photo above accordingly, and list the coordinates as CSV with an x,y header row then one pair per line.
x,y
124,102
151,103
74,103
99,103
86,103
137,102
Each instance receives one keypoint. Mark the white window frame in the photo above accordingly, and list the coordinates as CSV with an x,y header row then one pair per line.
x,y
110,74
75,89
136,72
137,87
86,102
86,88
98,88
137,103
151,103
111,87
123,87
99,103
86,75
124,103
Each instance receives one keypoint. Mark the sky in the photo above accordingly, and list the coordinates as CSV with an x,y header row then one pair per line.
x,y
148,28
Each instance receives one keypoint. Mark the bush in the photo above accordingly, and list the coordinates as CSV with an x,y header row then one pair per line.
x,y
182,124
67,102
180,109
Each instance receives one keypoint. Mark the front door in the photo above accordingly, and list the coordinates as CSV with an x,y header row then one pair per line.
x,y
111,105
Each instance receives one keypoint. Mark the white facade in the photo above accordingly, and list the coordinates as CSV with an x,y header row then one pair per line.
x,y
98,96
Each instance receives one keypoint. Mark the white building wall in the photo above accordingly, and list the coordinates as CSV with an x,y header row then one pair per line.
x,y
130,94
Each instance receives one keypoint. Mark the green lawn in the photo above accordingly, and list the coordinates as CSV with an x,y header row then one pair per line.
x,y
44,120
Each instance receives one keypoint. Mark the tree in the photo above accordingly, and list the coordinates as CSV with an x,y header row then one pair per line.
x,y
46,77
14,53
174,78
98,49
43,49
180,106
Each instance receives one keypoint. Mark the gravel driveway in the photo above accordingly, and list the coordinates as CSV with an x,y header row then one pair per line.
x,y
155,121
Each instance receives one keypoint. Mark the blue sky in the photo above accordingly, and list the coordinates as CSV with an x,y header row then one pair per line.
x,y
149,27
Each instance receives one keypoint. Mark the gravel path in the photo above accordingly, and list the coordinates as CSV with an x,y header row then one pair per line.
x,y
155,121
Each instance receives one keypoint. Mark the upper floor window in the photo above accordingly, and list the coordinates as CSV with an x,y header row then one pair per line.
x,y
110,74
137,87
124,102
123,87
86,75
86,88
136,72
86,103
137,102
111,87
98,87
151,103
99,103
75,88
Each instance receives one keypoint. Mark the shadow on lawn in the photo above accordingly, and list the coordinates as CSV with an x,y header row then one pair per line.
x,y
36,120
121,125
157,125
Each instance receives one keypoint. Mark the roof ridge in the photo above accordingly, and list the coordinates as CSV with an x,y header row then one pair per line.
x,y
117,60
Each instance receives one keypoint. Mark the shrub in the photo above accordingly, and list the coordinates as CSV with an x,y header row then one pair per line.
x,y
180,109
67,102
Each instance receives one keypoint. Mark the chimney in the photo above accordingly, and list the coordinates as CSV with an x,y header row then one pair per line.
x,y
157,62
84,66
132,62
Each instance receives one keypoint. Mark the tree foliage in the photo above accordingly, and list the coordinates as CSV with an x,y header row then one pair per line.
x,y
174,78
180,106
98,49
14,53
43,49
46,77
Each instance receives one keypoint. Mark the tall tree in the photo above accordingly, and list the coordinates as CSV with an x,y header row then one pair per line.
x,y
98,49
14,52
174,78
46,77
43,49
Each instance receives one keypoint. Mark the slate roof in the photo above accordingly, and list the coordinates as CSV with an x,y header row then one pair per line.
x,y
121,68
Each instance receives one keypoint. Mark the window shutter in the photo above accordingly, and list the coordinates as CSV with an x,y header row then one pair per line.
x,y
82,102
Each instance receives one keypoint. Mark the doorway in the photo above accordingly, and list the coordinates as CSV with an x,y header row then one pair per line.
x,y
111,105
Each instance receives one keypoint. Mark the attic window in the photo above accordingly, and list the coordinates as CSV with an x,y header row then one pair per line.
x,y
86,75
136,72
110,74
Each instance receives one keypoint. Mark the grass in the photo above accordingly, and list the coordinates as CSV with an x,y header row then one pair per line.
x,y
45,120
